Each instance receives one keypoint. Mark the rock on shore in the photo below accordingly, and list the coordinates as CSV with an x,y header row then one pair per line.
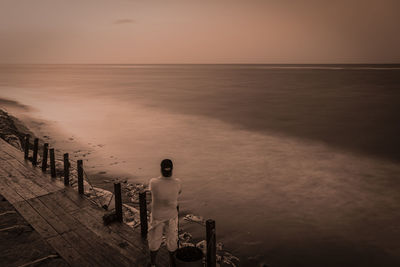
x,y
12,130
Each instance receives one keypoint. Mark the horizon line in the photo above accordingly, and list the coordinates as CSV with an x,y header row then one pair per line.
x,y
200,63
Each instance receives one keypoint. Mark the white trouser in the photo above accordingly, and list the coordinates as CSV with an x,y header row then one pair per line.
x,y
167,227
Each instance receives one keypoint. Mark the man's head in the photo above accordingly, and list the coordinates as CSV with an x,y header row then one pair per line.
x,y
166,167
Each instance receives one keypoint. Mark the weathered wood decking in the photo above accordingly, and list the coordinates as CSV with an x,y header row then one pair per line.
x,y
71,224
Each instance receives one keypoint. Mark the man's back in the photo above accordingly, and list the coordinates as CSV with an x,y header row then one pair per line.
x,y
165,192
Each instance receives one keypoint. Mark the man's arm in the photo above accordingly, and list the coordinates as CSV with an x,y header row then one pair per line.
x,y
180,187
148,190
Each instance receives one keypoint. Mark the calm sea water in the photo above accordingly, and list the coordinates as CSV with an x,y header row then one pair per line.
x,y
298,165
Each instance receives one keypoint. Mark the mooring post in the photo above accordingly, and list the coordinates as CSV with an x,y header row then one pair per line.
x,y
143,214
80,177
26,147
45,155
118,201
66,169
35,151
211,243
52,163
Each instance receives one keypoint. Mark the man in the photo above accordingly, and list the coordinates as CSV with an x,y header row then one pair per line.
x,y
164,213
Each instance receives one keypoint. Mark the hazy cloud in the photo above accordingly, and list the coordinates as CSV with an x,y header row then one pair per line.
x,y
273,31
124,21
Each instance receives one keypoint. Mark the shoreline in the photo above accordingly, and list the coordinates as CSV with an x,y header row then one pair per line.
x,y
13,131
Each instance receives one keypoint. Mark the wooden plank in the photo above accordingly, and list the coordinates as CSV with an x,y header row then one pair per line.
x,y
8,192
40,179
15,253
123,232
83,248
8,149
67,252
36,176
34,219
9,180
19,162
134,236
49,216
63,201
87,219
103,247
60,211
51,185
130,235
94,224
80,200
20,178
4,156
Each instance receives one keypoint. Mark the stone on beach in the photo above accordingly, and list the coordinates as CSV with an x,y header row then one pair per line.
x,y
13,140
12,130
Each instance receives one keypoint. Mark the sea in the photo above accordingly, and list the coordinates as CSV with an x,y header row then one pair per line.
x,y
299,165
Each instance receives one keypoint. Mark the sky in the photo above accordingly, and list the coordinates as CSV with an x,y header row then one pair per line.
x,y
199,31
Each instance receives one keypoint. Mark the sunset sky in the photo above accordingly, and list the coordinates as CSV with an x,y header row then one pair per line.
x,y
194,31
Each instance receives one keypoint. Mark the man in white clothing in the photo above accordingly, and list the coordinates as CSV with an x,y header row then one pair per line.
x,y
164,212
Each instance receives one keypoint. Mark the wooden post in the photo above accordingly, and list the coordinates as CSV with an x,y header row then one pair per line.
x,y
80,177
45,155
66,169
143,214
35,151
26,147
52,163
211,243
118,201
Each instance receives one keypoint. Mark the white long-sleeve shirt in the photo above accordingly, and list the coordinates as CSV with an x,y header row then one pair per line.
x,y
165,192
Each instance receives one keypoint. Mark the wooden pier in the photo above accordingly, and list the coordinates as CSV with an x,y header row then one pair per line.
x,y
70,223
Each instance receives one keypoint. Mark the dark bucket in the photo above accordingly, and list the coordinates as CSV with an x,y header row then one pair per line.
x,y
189,257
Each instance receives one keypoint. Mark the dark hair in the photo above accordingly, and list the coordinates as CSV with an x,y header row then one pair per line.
x,y
166,167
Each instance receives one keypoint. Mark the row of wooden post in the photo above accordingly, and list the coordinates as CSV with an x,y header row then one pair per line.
x,y
45,155
210,224
81,190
